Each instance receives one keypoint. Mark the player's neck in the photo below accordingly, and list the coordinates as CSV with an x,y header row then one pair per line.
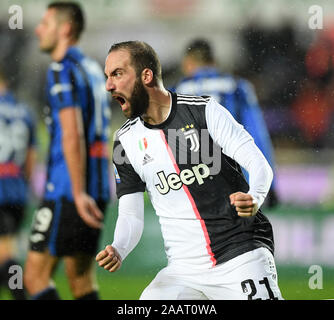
x,y
159,106
60,50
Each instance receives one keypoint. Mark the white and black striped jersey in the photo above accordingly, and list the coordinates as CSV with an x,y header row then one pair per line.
x,y
186,166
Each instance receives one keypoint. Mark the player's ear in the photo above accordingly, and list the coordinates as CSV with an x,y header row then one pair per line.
x,y
66,29
147,76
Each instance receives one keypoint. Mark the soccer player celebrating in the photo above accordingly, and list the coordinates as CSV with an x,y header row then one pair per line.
x,y
186,151
69,220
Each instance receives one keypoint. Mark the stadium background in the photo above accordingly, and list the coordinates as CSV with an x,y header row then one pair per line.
x,y
269,42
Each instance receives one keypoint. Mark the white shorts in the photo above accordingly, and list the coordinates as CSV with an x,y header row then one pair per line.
x,y
251,276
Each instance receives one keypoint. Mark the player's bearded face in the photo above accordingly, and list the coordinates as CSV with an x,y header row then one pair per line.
x,y
139,99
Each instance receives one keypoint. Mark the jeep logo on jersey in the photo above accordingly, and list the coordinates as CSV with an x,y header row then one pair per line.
x,y
187,177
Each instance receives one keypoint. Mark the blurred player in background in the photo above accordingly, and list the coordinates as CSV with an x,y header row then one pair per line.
x,y
218,243
17,160
202,77
69,220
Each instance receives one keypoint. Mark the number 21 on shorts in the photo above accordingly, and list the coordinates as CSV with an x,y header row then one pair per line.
x,y
249,286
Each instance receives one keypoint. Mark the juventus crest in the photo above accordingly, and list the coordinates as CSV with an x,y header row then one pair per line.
x,y
191,134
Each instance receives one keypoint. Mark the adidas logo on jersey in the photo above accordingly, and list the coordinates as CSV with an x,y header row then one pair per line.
x,y
147,159
187,177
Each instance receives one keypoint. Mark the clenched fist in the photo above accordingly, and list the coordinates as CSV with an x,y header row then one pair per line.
x,y
244,203
109,259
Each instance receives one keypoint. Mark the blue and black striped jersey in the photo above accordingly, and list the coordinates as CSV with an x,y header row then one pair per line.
x,y
17,135
78,81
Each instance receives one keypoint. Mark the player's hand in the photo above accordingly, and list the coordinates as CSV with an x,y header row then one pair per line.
x,y
244,204
88,210
109,259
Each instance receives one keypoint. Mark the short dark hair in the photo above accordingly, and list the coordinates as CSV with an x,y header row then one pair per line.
x,y
73,13
201,50
142,56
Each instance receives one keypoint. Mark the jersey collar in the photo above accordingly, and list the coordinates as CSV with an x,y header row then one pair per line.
x,y
73,52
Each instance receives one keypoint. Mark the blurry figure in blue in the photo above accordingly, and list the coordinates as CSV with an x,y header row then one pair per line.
x,y
17,160
202,77
68,223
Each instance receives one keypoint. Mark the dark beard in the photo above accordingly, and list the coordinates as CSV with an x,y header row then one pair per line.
x,y
139,100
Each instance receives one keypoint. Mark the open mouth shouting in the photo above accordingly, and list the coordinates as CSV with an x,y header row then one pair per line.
x,y
121,100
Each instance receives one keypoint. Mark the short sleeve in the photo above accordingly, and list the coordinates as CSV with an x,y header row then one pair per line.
x,y
62,85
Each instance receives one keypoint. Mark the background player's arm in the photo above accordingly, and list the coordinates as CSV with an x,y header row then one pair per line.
x,y
73,141
30,163
128,231
31,154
